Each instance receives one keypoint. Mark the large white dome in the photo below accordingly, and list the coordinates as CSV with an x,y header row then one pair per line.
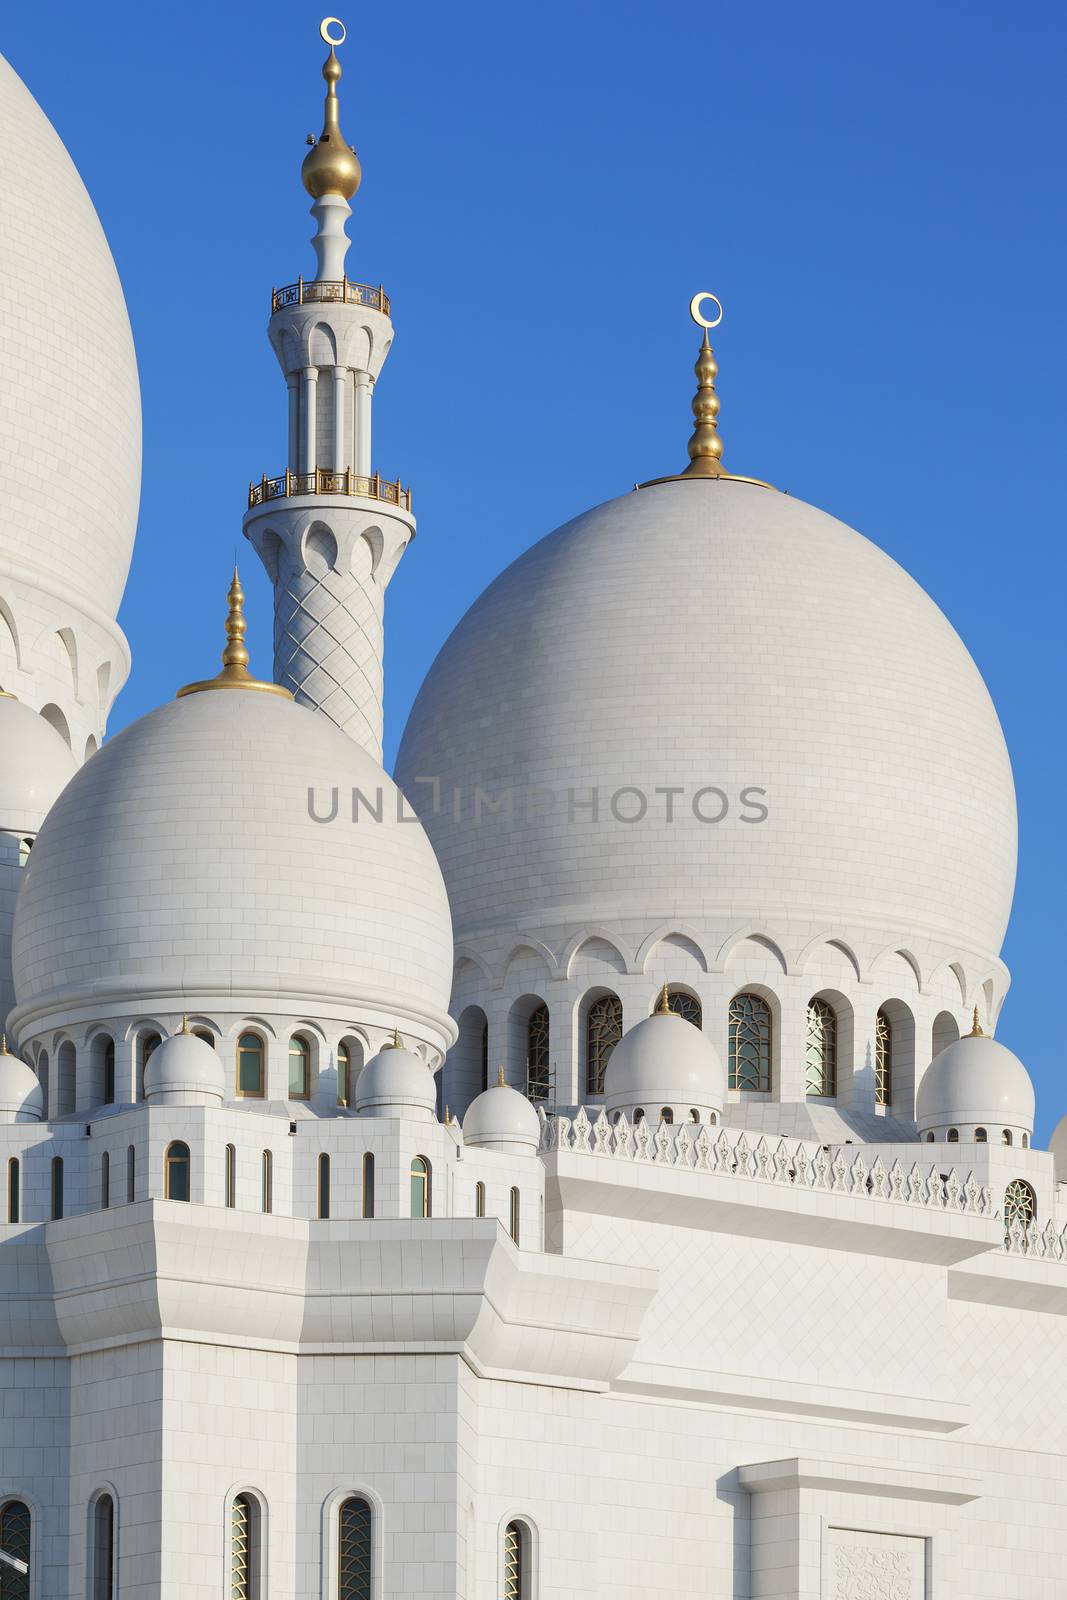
x,y
70,433
183,859
714,633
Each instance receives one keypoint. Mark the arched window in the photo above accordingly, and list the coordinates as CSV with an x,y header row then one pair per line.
x,y
324,1185
883,1060
109,1073
603,1030
105,1181
420,1187
246,1557
131,1175
981,1136
750,1043
176,1171
821,1049
250,1076
14,1187
146,1045
231,1177
368,1184
102,1549
666,1114
538,1070
267,1182
1005,1137
694,1114
479,1199
515,1562
639,1115
57,1188
25,846
953,1136
1020,1204
299,1069
1026,1141
344,1074
354,1534
929,1138
514,1215
683,1004
15,1530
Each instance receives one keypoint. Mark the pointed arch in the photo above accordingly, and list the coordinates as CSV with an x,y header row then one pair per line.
x,y
684,939
740,936
835,943
592,937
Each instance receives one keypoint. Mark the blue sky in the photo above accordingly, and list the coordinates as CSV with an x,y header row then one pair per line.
x,y
875,193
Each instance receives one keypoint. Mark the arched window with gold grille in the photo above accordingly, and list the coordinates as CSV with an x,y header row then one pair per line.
x,y
538,1069
683,1004
515,1562
15,1539
603,1030
821,1051
355,1531
883,1060
1020,1205
245,1548
750,1043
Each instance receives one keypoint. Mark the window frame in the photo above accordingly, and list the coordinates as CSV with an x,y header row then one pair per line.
x,y
764,1037
830,1027
94,1589
171,1159
426,1177
299,1046
601,1035
261,1046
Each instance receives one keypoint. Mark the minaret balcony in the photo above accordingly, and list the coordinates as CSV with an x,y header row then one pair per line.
x,y
339,291
369,486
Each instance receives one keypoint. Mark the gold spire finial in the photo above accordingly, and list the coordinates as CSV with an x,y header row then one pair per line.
x,y
501,1080
235,673
663,1004
331,166
398,1043
185,1023
3,1045
976,1027
448,1118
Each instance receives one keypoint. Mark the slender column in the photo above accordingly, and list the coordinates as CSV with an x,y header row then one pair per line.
x,y
340,378
362,452
293,381
310,402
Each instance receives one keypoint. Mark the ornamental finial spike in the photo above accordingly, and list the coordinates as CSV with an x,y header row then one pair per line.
x,y
501,1080
331,166
705,446
976,1027
235,673
663,1004
3,1045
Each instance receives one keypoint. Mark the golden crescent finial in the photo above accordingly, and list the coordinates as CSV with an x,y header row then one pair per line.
x,y
695,305
327,37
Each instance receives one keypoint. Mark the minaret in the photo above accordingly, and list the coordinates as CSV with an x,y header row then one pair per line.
x,y
329,530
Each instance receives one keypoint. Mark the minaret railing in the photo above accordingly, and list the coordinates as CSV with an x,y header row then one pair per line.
x,y
368,486
336,291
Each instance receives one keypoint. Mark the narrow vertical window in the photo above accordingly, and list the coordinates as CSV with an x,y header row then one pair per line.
x,y
516,1557
953,1136
105,1181
354,1535
883,1060
420,1187
14,1186
267,1186
102,1586
514,1215
1005,1137
750,1043
344,1074
299,1069
538,1070
250,1078
245,1553
15,1529
479,1199
131,1175
603,1030
368,1184
821,1050
324,1185
57,1188
176,1171
231,1177
981,1136
109,1073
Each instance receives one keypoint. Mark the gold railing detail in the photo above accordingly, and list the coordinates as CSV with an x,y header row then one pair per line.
x,y
340,291
370,486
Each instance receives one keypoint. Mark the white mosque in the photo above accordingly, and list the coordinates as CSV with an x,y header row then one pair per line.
x,y
584,1170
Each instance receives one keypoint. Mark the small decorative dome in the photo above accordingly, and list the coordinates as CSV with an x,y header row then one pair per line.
x,y
1058,1149
396,1083
21,1095
37,766
665,1063
501,1118
184,1071
975,1082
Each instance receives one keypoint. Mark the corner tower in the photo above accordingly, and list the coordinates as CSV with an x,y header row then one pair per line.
x,y
329,530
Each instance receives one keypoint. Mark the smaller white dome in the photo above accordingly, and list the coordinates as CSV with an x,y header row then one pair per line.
x,y
21,1095
975,1082
664,1062
502,1118
184,1071
36,768
1058,1149
396,1083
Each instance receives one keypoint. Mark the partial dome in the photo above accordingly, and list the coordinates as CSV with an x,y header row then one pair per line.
x,y
396,1083
36,767
71,446
665,1063
502,1119
184,1071
714,635
1058,1149
21,1095
975,1083
184,858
